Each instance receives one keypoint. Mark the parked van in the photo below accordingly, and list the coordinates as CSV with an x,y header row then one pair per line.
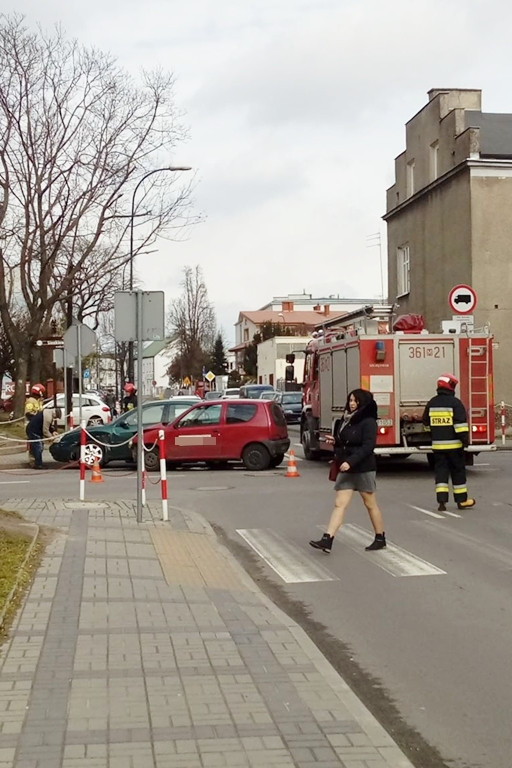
x,y
253,391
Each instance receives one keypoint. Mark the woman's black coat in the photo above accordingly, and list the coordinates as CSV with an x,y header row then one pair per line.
x,y
354,442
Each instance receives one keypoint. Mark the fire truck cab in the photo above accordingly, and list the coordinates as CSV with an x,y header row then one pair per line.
x,y
400,368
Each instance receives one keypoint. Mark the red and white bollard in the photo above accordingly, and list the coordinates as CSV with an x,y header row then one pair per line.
x,y
503,415
163,475
143,485
82,460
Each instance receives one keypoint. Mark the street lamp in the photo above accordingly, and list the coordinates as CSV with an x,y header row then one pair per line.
x,y
132,255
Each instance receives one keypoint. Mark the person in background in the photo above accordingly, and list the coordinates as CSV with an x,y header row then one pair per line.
x,y
130,397
446,419
354,442
110,400
41,426
34,402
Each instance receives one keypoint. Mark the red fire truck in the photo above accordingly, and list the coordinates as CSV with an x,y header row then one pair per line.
x,y
400,368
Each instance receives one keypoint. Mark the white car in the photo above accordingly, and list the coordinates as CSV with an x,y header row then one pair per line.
x,y
232,392
94,410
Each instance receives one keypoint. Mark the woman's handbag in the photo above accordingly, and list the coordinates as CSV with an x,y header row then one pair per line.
x,y
334,468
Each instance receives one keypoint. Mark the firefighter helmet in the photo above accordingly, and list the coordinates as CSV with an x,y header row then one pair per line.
x,y
447,381
37,390
129,387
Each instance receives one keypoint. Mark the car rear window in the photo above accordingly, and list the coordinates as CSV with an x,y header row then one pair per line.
x,y
240,412
277,414
292,397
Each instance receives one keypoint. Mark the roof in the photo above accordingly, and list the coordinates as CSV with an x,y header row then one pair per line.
x,y
155,347
309,318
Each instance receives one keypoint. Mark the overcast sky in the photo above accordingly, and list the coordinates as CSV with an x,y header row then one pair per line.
x,y
296,111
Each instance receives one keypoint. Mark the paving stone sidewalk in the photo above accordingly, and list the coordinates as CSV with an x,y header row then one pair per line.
x,y
147,646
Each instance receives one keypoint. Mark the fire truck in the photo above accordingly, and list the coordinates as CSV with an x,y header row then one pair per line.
x,y
364,349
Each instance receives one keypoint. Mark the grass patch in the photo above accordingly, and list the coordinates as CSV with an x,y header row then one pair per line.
x,y
13,550
13,429
16,570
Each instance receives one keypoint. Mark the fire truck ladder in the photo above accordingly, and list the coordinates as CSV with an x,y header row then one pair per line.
x,y
478,370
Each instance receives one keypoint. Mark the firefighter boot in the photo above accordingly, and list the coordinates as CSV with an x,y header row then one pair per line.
x,y
466,504
379,542
325,543
441,507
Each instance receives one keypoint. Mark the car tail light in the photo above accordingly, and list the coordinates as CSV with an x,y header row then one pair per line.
x,y
383,430
479,428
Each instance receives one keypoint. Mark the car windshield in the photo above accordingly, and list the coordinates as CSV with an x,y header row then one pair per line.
x,y
292,397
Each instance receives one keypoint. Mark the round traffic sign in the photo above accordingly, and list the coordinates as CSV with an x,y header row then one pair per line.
x,y
462,299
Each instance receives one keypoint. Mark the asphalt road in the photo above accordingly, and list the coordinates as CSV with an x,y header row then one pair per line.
x,y
421,631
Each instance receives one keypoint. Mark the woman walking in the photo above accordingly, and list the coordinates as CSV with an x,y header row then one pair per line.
x,y
354,441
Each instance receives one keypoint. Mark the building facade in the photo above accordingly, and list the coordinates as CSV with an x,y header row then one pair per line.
x,y
448,218
272,359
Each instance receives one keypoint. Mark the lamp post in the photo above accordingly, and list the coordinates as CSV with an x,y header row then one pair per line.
x,y
132,255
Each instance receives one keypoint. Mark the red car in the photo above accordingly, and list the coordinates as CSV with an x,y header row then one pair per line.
x,y
218,431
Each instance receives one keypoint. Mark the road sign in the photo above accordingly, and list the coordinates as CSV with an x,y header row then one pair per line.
x,y
50,342
186,382
462,299
209,376
153,314
87,339
87,374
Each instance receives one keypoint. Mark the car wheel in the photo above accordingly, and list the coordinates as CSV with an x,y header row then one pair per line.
x,y
256,457
152,460
277,460
309,453
92,453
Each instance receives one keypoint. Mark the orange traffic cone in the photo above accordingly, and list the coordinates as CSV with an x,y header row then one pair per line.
x,y
96,473
291,468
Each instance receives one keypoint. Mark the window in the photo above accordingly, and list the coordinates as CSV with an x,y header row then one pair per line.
x,y
403,285
153,414
246,334
209,414
410,178
434,160
240,412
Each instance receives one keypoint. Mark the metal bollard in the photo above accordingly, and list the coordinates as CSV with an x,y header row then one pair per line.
x,y
163,475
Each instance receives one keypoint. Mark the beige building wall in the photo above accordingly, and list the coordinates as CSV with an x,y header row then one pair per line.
x,y
451,205
491,195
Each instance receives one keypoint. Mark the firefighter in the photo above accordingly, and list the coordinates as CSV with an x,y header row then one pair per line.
x,y
130,397
445,417
34,403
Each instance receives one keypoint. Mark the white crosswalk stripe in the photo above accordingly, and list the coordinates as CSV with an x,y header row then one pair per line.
x,y
393,559
291,563
434,514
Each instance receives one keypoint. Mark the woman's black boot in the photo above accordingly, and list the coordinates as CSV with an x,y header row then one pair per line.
x,y
379,542
325,543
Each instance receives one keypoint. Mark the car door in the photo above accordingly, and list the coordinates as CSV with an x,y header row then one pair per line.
x,y
125,427
197,435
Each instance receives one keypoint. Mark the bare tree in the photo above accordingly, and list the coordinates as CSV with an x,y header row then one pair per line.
x,y
76,136
192,325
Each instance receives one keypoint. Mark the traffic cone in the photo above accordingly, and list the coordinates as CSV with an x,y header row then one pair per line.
x,y
291,468
96,473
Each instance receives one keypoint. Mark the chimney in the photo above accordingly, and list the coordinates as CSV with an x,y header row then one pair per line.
x,y
316,308
327,309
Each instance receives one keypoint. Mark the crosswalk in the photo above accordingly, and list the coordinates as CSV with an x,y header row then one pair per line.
x,y
438,515
294,564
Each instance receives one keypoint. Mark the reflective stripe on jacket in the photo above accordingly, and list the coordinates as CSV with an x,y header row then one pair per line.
x,y
446,420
